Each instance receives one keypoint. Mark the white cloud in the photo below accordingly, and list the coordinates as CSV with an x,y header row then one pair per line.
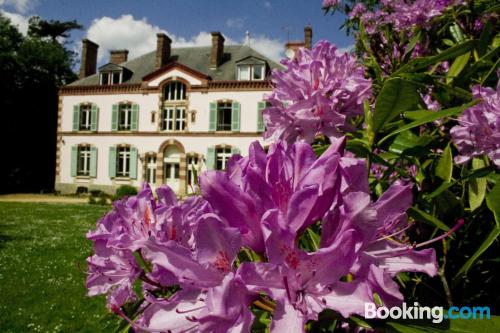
x,y
272,48
237,22
21,6
268,4
18,20
139,37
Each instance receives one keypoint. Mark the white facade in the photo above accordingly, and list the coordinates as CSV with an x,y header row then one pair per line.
x,y
148,142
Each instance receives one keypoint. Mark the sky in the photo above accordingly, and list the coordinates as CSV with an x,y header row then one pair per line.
x,y
133,24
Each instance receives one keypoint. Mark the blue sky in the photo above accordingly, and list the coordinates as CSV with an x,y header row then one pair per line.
x,y
132,24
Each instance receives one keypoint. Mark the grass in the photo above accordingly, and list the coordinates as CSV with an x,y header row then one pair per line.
x,y
42,287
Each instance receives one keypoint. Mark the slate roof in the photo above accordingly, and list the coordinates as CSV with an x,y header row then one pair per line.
x,y
196,58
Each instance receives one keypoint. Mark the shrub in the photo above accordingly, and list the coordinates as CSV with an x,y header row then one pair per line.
x,y
125,190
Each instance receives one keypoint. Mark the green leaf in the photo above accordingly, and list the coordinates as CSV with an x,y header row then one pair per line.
x,y
408,140
421,216
492,236
424,62
477,186
397,95
457,33
457,66
475,174
493,202
444,169
425,116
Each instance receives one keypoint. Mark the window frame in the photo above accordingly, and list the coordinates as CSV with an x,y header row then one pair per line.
x,y
123,154
173,115
177,90
83,157
110,78
87,109
225,154
251,72
223,124
192,163
127,114
151,168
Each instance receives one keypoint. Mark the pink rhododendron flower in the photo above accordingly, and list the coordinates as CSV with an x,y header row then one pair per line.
x,y
317,93
185,252
478,131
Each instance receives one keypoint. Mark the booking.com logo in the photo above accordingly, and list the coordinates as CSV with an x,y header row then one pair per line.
x,y
436,313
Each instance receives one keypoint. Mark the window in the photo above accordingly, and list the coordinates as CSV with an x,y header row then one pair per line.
x,y
124,117
109,78
104,78
85,118
175,91
123,162
222,156
193,167
173,119
224,110
251,72
258,72
244,72
173,115
83,164
151,169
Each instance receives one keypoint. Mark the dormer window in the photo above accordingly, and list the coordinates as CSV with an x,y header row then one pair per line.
x,y
111,74
251,69
109,78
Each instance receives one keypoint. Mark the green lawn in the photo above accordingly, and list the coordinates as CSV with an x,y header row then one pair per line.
x,y
42,287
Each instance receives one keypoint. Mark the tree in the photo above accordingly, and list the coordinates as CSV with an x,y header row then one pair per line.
x,y
32,69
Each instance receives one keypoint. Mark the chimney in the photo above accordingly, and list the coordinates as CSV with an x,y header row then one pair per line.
x,y
308,34
217,51
89,58
163,43
118,56
292,47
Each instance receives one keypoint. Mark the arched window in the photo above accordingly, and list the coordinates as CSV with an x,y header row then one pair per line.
x,y
174,91
173,113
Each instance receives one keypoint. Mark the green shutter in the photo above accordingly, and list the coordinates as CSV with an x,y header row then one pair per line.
x,y
260,119
235,151
93,162
94,116
74,160
134,126
112,162
210,158
235,117
114,118
212,123
133,162
76,117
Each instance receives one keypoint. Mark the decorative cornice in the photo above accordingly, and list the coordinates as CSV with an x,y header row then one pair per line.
x,y
163,134
233,85
101,89
230,85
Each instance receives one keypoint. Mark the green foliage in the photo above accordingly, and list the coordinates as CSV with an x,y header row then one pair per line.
x,y
401,132
125,190
32,68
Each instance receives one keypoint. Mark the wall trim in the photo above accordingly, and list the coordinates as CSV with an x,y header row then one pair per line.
x,y
164,134
232,85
